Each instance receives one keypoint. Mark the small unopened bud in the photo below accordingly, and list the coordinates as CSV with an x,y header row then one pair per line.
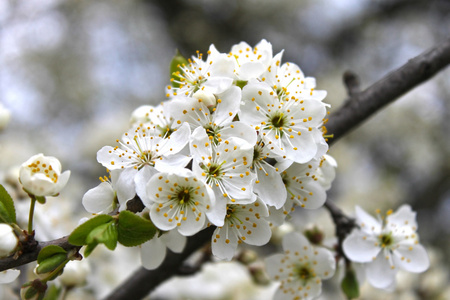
x,y
314,235
207,98
33,290
75,273
8,240
259,275
247,256
50,264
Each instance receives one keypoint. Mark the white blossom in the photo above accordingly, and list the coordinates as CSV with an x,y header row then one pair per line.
x,y
8,276
225,168
289,125
211,76
8,240
300,269
41,175
385,246
75,273
180,200
243,224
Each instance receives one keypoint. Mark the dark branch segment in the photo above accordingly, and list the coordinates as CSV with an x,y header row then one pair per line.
x,y
143,281
362,105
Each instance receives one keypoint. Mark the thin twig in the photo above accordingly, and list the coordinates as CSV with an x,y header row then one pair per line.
x,y
364,104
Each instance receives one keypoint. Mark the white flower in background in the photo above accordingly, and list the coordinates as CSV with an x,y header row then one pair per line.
x,y
225,167
300,269
75,273
268,185
180,200
140,155
217,120
386,246
326,172
288,81
157,117
8,240
250,62
41,175
289,126
5,115
211,76
243,224
153,252
9,276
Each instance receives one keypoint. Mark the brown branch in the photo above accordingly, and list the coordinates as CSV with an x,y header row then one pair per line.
x,y
364,104
27,257
143,281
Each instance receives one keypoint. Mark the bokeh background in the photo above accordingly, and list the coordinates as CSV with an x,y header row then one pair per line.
x,y
72,71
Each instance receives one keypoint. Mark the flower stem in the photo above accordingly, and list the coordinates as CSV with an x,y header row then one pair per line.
x,y
30,216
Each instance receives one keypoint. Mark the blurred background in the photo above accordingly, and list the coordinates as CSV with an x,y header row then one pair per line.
x,y
72,71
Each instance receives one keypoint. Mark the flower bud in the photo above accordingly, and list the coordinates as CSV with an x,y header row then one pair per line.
x,y
4,117
75,273
206,97
8,240
33,290
41,175
50,264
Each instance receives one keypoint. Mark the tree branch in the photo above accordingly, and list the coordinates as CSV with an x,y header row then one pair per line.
x,y
143,281
32,254
360,106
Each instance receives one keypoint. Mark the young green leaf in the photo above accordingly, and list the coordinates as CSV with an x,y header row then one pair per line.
x,y
53,293
48,251
134,230
79,235
350,285
104,234
7,210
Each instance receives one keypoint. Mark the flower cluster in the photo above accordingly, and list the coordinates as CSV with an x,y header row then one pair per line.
x,y
238,144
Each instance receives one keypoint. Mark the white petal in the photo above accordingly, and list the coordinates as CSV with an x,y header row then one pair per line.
x,y
295,241
227,107
217,85
367,223
250,70
125,186
9,276
240,130
224,242
379,272
271,188
411,258
174,241
403,217
326,264
360,247
112,158
99,199
153,253
273,263
172,163
141,179
176,141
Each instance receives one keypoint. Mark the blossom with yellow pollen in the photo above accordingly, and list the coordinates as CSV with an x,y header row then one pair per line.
x,y
41,175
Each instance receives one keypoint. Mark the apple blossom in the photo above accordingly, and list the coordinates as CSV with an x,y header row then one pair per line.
x,y
180,200
41,175
301,268
385,246
243,224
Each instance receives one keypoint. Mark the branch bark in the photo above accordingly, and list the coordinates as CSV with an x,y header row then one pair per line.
x,y
360,106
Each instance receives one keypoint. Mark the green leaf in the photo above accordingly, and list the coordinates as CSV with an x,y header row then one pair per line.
x,y
89,248
79,235
7,210
104,234
350,285
177,61
134,230
49,251
51,263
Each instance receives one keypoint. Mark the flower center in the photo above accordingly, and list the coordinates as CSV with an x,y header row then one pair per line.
x,y
37,167
304,273
278,120
386,240
183,195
